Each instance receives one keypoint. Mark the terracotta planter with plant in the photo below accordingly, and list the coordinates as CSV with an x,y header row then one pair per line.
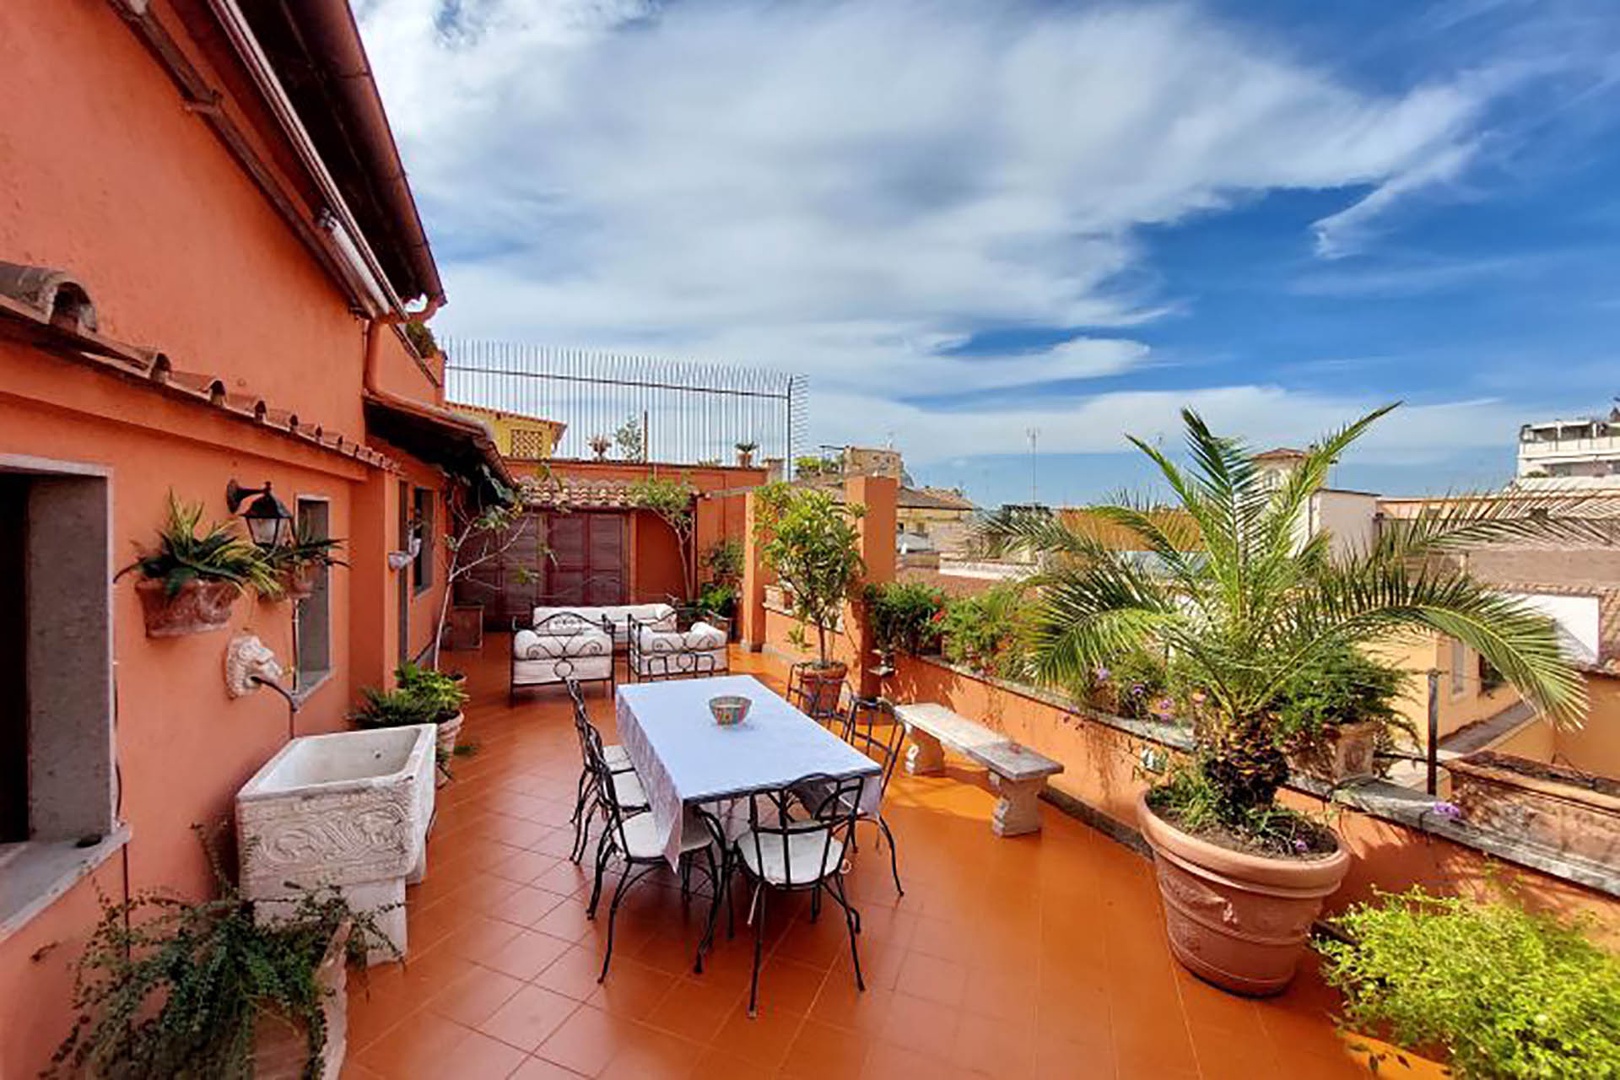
x,y
810,541
1241,607
298,563
1336,712
745,454
421,696
190,580
1567,810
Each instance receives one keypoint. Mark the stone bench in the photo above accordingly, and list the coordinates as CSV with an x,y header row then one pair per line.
x,y
1017,773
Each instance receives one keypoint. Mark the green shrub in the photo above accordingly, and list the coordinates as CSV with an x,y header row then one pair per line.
x,y
394,708
168,987
989,632
905,615
1506,993
1339,686
441,693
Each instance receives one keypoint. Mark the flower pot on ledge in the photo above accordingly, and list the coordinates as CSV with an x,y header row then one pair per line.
x,y
1344,752
1568,811
1235,919
199,606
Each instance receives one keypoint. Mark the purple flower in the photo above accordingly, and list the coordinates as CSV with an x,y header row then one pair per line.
x,y
1448,810
1137,689
1301,846
1164,708
1101,674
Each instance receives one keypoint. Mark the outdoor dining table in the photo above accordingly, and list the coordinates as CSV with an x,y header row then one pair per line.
x,y
686,760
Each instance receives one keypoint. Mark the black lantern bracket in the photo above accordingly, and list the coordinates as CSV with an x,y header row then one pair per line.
x,y
267,517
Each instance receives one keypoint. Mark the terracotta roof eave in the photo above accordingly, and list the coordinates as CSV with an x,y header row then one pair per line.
x,y
473,431
27,321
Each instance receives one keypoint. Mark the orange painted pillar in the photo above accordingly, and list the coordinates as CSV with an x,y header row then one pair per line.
x,y
880,497
751,603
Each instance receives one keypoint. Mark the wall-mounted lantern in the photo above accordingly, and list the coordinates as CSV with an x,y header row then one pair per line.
x,y
268,521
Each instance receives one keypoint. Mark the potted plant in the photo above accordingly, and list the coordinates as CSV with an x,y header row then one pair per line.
x,y
809,540
444,694
745,453
190,581
1554,806
903,617
228,987
1488,989
297,562
600,445
1241,601
989,632
1336,711
405,707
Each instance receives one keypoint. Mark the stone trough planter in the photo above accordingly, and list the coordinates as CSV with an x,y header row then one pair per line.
x,y
1571,812
349,810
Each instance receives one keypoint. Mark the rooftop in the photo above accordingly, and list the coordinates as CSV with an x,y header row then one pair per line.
x,y
1037,957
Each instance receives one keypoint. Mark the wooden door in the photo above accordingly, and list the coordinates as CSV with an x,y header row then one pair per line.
x,y
507,576
587,563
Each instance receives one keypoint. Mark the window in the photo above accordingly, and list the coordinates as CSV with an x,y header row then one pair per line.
x,y
56,745
1459,668
422,567
1489,678
312,640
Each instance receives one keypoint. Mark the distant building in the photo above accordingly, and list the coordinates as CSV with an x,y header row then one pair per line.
x,y
872,461
518,435
927,519
1562,449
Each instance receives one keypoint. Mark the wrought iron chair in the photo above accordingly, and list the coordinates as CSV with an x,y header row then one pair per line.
x,y
877,732
828,704
779,852
625,783
633,837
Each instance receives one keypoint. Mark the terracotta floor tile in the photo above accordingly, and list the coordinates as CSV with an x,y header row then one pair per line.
x,y
695,1008
529,1017
527,954
763,1039
649,1054
586,1041
537,1068
524,906
933,979
631,988
824,1052
479,1057
474,997
1043,956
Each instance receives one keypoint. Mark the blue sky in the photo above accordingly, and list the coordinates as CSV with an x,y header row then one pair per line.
x,y
963,219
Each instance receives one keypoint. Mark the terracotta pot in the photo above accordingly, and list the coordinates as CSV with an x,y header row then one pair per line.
x,y
1344,753
280,1050
299,582
821,688
1237,920
745,459
199,606
1568,811
445,742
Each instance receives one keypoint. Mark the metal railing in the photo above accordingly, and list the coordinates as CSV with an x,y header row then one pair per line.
x,y
686,413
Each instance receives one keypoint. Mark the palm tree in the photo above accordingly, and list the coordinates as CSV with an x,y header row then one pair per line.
x,y
1241,599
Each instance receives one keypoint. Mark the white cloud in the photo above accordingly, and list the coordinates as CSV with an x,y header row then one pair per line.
x,y
852,188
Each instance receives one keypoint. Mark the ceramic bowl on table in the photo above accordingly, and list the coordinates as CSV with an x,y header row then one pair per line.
x,y
729,709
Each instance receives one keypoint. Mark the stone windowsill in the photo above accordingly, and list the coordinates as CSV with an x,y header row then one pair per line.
x,y
35,874
1377,798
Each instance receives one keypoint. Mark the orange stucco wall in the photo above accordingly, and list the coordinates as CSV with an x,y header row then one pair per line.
x,y
1596,746
105,174
1101,770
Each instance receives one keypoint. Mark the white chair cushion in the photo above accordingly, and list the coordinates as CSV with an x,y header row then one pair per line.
x,y
803,849
642,837
616,756
543,672
628,790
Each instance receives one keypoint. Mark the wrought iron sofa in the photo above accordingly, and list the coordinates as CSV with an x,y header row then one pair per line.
x,y
563,645
658,651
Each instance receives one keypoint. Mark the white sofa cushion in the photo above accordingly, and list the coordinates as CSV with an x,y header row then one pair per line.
x,y
702,636
546,672
661,616
528,645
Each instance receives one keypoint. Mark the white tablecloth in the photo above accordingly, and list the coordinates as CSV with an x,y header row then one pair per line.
x,y
685,759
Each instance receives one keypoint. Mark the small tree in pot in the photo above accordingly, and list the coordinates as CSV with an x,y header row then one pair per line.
x,y
809,540
1256,603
